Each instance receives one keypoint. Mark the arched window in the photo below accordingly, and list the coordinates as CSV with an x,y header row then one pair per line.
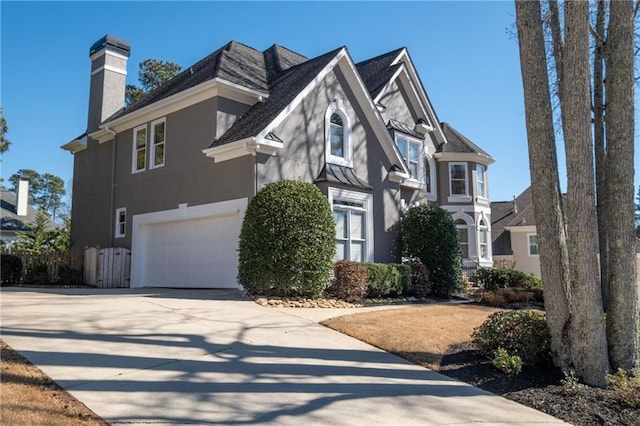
x,y
463,237
483,239
336,135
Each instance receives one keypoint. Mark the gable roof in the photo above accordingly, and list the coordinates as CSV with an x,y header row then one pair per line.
x,y
284,89
518,212
376,72
234,62
10,222
458,143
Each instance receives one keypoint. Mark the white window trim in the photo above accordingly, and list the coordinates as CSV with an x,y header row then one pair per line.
x,y
367,199
432,195
529,245
152,157
410,139
338,107
459,197
486,226
134,160
119,234
471,234
482,197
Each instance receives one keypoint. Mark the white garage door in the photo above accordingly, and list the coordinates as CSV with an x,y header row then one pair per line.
x,y
191,253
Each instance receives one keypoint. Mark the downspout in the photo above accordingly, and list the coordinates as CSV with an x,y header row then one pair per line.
x,y
113,186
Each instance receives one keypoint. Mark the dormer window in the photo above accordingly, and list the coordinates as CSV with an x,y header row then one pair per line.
x,y
338,135
411,152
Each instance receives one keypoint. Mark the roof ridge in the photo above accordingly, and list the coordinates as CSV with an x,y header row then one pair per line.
x,y
285,48
288,71
366,61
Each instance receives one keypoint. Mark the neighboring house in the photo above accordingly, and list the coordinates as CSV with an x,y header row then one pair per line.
x,y
170,176
16,213
515,240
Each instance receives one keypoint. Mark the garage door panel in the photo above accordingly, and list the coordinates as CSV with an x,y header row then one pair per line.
x,y
192,253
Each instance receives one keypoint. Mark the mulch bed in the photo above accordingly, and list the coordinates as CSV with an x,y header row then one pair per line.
x,y
540,388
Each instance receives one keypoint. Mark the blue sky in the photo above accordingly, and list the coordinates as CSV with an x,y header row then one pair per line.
x,y
464,53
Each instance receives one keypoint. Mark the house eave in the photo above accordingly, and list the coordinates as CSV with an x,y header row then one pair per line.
x,y
76,145
179,101
248,146
464,156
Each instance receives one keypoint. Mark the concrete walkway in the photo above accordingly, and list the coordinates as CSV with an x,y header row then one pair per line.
x,y
214,357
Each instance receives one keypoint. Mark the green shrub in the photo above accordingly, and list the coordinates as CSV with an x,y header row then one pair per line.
x,y
405,277
38,275
522,333
626,386
495,278
383,280
11,269
70,276
287,241
429,234
350,282
420,285
505,296
508,364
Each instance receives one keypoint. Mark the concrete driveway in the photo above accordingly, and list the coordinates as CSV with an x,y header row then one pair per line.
x,y
215,357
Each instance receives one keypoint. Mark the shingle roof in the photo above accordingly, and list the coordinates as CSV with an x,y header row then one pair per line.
x,y
10,221
518,212
234,62
376,72
457,142
284,88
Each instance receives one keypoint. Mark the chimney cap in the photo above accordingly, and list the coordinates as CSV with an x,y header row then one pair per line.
x,y
116,44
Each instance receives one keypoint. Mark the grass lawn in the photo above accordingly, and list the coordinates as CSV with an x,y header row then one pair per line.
x,y
422,334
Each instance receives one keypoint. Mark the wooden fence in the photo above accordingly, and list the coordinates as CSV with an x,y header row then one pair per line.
x,y
44,268
107,267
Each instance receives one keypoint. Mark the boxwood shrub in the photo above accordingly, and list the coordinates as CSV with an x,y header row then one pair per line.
x,y
495,278
429,234
387,279
420,285
287,241
521,333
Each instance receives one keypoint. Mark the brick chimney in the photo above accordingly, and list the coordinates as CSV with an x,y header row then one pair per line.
x,y
109,57
22,196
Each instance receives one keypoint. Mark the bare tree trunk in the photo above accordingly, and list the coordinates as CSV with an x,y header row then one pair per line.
x,y
587,332
599,141
545,185
622,310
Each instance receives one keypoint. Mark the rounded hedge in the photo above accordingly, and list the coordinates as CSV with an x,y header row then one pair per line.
x,y
429,234
522,333
287,241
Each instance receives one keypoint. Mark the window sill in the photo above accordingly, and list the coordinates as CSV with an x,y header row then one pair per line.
x,y
482,200
339,161
459,199
412,183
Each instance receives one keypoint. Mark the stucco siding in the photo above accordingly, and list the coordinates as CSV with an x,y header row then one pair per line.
x,y
523,260
303,157
397,105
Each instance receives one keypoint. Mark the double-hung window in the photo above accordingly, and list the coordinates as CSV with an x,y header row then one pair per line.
x,y
139,148
411,152
483,238
158,138
463,237
481,179
352,215
533,245
458,179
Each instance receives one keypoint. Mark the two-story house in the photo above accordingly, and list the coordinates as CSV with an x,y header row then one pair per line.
x,y
171,175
